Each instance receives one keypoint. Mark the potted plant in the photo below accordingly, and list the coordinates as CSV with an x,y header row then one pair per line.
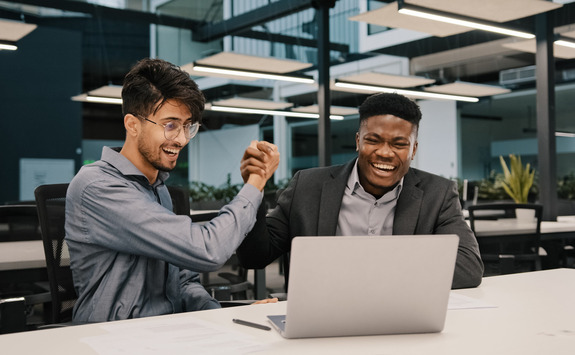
x,y
517,181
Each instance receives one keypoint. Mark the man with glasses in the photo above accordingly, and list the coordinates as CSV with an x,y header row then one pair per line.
x,y
130,255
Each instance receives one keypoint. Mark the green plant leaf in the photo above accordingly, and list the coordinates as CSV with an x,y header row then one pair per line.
x,y
517,180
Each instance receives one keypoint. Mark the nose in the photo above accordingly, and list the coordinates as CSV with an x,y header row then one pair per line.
x,y
181,138
385,150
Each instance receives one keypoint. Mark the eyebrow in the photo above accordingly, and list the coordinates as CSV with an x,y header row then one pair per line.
x,y
176,119
396,138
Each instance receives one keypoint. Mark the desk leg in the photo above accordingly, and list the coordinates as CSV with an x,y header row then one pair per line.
x,y
260,291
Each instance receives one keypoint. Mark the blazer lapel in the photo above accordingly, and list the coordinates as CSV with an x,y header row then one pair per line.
x,y
331,196
408,205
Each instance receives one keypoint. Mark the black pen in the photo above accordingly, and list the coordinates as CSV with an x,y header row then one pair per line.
x,y
250,324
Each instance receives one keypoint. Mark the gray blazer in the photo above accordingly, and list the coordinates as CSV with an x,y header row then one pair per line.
x,y
428,204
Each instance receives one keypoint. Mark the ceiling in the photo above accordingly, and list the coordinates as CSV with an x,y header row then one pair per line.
x,y
116,36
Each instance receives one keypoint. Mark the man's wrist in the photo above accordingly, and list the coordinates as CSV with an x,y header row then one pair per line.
x,y
257,181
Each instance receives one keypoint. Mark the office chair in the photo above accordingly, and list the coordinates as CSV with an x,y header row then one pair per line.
x,y
19,298
237,286
180,200
507,244
20,223
51,200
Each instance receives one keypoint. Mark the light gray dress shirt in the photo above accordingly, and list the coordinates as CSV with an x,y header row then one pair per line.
x,y
363,214
130,255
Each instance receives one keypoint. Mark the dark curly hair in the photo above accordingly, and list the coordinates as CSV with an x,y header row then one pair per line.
x,y
390,104
151,82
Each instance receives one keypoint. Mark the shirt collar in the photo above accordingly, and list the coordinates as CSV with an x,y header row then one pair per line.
x,y
113,157
353,185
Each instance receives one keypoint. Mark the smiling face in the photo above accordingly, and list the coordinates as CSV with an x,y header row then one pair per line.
x,y
147,147
386,145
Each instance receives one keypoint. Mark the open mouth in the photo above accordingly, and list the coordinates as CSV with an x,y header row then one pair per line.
x,y
384,167
171,151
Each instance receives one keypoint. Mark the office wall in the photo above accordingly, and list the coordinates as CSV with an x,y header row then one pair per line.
x,y
215,154
438,138
37,118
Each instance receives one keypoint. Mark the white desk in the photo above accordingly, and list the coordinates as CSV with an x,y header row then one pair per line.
x,y
564,227
535,314
24,261
22,255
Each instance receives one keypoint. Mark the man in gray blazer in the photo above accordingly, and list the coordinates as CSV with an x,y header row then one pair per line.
x,y
378,193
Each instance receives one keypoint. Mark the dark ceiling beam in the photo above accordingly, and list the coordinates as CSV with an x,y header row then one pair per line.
x,y
112,13
245,21
296,41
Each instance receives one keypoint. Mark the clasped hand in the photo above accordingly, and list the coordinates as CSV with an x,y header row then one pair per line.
x,y
260,161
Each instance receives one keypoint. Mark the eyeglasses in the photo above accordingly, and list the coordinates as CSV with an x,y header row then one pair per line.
x,y
172,129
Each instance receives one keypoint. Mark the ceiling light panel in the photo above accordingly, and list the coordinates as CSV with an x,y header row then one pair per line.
x,y
334,110
254,103
490,10
530,46
107,90
253,63
13,31
468,89
388,16
381,79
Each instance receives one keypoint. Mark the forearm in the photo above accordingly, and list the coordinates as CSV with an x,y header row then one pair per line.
x,y
469,267
132,225
256,252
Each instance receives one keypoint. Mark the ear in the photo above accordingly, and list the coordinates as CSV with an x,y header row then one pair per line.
x,y
132,125
414,150
357,141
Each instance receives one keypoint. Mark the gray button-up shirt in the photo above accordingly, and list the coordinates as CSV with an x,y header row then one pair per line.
x,y
130,255
362,214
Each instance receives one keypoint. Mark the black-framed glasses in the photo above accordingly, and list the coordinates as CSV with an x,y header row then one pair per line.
x,y
173,128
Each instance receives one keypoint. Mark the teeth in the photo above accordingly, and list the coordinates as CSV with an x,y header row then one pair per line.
x,y
171,151
383,166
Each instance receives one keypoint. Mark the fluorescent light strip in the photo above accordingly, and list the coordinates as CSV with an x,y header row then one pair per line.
x,y
104,100
422,94
563,43
249,74
8,47
466,23
270,112
564,134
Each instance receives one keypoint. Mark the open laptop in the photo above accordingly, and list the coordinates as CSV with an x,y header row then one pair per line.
x,y
358,285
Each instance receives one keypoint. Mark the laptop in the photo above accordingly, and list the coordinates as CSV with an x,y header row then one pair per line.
x,y
368,285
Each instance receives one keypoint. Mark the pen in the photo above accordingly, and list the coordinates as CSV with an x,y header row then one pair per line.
x,y
250,324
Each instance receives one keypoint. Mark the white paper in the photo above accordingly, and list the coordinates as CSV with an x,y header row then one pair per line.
x,y
458,301
171,336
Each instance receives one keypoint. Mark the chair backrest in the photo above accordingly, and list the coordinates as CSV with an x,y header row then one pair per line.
x,y
19,223
505,238
51,203
180,200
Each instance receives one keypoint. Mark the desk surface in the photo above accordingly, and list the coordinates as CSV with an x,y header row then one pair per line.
x,y
22,255
534,314
563,227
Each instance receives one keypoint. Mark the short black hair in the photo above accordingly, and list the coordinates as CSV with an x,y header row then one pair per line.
x,y
390,104
155,80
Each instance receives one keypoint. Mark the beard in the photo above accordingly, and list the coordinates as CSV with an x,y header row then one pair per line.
x,y
152,158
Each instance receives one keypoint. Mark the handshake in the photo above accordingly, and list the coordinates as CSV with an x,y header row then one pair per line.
x,y
260,161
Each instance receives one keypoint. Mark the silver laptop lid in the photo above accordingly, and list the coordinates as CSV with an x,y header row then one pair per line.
x,y
361,285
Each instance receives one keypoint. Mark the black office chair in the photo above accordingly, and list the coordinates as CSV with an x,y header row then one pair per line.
x,y
20,223
180,200
51,200
18,298
236,288
508,251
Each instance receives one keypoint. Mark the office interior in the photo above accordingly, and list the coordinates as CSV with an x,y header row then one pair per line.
x,y
524,94
80,46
